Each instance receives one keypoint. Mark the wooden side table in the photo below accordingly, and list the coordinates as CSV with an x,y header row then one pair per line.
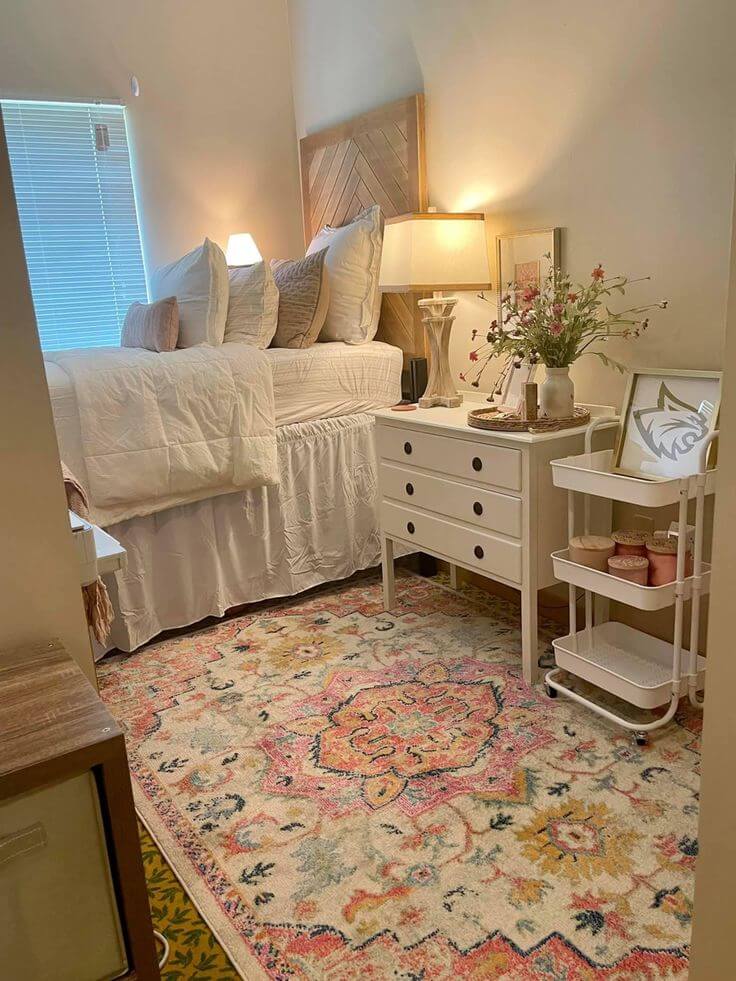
x,y
71,869
480,500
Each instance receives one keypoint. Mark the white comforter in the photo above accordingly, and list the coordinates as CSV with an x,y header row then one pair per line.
x,y
157,430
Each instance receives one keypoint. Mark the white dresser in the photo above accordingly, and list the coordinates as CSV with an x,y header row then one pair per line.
x,y
481,500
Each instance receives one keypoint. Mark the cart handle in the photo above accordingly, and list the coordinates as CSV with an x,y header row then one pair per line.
x,y
596,424
703,464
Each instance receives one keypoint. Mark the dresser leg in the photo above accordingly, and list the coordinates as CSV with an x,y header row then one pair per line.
x,y
529,639
453,576
387,569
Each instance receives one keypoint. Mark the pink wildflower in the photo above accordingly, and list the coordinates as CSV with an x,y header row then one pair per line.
x,y
473,355
530,294
558,309
572,297
555,328
598,272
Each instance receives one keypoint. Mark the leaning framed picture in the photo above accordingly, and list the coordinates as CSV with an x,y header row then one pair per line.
x,y
524,259
512,397
667,416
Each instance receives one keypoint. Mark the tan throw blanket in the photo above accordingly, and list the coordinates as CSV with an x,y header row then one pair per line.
x,y
97,604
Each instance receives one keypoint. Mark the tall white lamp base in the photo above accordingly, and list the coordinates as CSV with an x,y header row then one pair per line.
x,y
438,319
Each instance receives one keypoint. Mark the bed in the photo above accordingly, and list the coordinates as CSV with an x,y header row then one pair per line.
x,y
319,523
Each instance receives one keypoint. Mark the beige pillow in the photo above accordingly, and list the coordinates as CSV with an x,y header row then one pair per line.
x,y
353,262
304,297
153,326
200,284
252,312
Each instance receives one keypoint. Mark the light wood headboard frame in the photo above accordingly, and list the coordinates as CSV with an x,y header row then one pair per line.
x,y
375,158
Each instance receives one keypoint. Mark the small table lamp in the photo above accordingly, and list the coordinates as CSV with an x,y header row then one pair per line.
x,y
435,251
242,250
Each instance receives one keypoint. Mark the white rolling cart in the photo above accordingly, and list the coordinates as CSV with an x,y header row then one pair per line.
x,y
642,670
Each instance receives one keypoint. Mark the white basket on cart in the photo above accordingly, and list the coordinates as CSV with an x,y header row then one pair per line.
x,y
642,670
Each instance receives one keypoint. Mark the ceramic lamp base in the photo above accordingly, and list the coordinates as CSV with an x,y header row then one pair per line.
x,y
438,320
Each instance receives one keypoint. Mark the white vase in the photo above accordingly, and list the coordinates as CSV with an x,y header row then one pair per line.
x,y
557,394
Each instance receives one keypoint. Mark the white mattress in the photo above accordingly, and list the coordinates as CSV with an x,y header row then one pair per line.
x,y
334,379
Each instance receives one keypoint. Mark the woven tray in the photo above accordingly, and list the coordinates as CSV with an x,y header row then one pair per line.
x,y
493,419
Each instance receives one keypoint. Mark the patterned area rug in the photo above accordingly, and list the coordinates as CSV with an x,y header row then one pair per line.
x,y
347,793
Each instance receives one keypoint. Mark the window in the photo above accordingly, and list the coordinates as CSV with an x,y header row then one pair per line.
x,y
73,184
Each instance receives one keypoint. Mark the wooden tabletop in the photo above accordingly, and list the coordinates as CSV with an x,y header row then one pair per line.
x,y
49,712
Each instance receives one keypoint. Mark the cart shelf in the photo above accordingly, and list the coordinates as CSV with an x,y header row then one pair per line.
x,y
590,473
625,662
642,597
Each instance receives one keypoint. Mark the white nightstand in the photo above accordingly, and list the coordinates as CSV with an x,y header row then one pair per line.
x,y
480,500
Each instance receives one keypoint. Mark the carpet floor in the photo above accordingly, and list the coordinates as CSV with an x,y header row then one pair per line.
x,y
346,793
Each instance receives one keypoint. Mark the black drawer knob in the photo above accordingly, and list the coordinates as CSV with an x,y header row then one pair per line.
x,y
407,448
478,507
477,463
478,551
410,489
410,527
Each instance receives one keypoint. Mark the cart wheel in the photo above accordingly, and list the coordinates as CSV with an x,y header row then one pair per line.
x,y
551,692
641,738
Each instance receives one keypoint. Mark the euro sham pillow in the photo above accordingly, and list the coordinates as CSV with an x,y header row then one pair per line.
x,y
353,263
304,297
199,281
253,308
152,326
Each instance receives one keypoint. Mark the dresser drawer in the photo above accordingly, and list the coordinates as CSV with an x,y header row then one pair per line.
x,y
496,465
472,547
486,508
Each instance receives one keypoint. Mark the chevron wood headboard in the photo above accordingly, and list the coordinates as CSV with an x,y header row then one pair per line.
x,y
375,158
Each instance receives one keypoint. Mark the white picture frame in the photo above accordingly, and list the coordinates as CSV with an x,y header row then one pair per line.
x,y
667,415
525,259
512,397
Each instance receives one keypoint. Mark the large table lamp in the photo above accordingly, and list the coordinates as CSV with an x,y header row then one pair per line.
x,y
435,251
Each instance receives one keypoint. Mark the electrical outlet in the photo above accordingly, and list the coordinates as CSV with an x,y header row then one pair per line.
x,y
644,522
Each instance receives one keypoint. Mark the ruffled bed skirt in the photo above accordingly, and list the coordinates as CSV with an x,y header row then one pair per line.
x,y
202,559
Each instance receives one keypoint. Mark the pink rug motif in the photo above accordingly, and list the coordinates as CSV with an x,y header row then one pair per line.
x,y
347,793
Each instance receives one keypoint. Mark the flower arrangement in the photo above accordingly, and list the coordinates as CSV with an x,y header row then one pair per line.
x,y
557,324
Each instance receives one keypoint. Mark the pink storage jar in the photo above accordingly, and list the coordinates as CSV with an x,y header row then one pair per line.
x,y
631,542
633,568
593,551
662,555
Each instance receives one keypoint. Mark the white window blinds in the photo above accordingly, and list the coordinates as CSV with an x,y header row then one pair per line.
x,y
73,184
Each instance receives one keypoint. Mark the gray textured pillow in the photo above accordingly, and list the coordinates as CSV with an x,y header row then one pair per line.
x,y
153,326
304,297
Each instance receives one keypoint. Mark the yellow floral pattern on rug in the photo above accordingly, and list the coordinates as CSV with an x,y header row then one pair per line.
x,y
352,794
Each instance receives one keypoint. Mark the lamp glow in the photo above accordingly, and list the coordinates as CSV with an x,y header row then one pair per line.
x,y
242,250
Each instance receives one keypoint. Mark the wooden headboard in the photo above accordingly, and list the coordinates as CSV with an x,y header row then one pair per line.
x,y
376,158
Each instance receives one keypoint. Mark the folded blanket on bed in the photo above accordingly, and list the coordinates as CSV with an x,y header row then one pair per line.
x,y
157,430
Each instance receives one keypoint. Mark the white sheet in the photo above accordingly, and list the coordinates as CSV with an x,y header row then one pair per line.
x,y
319,525
157,430
334,379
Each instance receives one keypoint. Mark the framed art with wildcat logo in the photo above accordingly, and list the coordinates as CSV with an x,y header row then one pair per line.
x,y
666,417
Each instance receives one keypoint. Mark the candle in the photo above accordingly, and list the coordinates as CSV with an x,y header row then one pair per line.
x,y
593,551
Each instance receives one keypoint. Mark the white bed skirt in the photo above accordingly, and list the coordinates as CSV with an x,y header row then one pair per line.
x,y
201,559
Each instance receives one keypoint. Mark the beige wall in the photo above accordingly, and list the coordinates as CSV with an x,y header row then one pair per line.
x,y
40,597
614,121
716,869
212,131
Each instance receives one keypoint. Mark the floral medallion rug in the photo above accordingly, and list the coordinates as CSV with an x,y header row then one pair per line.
x,y
347,793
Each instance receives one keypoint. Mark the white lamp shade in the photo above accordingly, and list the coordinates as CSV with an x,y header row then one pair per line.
x,y
434,251
242,250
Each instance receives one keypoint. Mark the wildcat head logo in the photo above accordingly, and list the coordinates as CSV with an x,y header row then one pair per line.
x,y
671,428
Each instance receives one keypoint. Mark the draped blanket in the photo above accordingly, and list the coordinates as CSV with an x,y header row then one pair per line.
x,y
146,431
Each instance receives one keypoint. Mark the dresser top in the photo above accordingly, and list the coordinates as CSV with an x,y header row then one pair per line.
x,y
48,709
455,422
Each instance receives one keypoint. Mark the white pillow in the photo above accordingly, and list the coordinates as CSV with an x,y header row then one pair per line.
x,y
353,263
200,284
253,310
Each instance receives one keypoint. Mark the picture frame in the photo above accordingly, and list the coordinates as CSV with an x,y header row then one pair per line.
x,y
521,258
666,416
512,397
